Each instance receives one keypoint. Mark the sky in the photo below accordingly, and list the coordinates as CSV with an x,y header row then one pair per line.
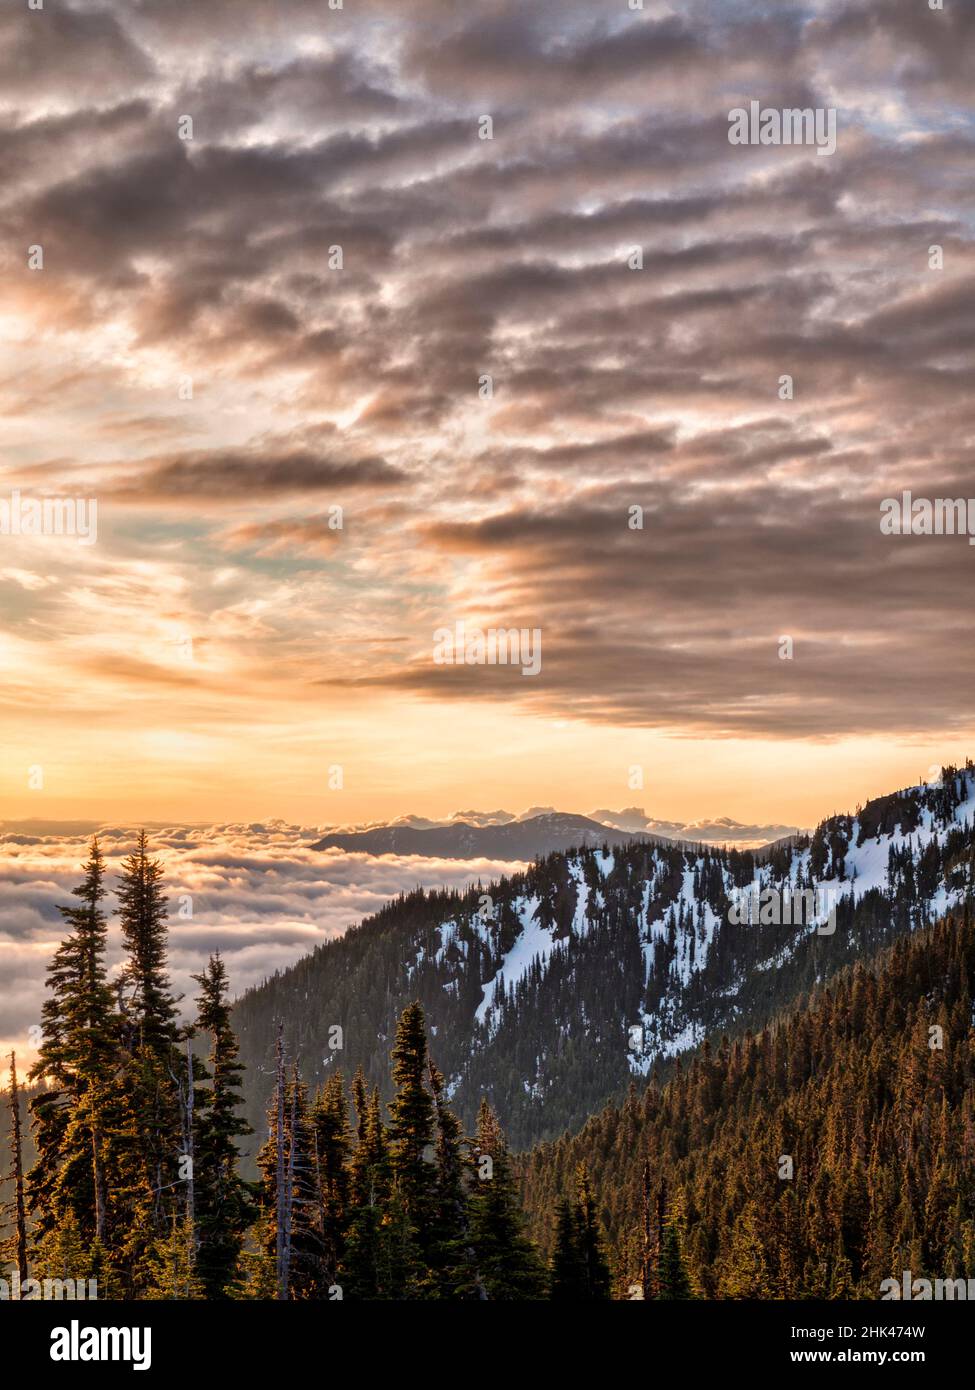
x,y
190,356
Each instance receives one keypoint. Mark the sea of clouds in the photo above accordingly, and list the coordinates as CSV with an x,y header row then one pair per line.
x,y
258,892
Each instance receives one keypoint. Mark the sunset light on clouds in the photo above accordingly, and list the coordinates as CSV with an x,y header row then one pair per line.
x,y
487,747
299,478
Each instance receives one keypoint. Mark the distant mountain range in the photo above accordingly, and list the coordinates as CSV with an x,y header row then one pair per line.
x,y
552,988
516,840
538,831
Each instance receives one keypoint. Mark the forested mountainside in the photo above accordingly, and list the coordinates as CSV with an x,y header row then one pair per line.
x,y
831,1152
550,990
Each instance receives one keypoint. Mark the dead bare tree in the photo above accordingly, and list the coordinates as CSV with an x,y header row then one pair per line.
x,y
17,1244
281,1215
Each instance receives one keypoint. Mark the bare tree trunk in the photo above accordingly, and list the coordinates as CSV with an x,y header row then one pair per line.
x,y
188,1150
289,1204
98,1179
89,969
280,1217
660,1223
330,1272
653,1229
20,1214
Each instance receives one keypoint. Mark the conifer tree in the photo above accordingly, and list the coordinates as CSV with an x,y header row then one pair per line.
x,y
330,1121
151,1034
370,1168
290,1198
673,1280
222,1200
257,1271
307,1262
143,912
507,1263
392,1230
131,1251
175,1274
566,1276
579,1271
367,1267
76,1063
593,1257
454,1272
746,1270
63,1254
411,1132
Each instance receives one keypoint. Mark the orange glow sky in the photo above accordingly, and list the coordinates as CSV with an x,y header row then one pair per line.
x,y
220,646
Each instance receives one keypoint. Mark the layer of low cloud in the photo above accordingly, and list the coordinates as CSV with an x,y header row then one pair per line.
x,y
257,893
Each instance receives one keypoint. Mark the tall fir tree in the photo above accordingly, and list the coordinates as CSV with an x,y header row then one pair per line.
x,y
594,1263
333,1142
411,1130
672,1278
77,1069
507,1263
223,1201
567,1283
151,1035
580,1270
152,1011
410,1215
368,1271
453,1262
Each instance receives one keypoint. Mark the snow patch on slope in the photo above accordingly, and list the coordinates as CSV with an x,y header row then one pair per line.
x,y
533,942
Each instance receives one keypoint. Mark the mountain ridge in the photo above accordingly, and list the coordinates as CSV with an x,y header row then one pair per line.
x,y
516,840
551,989
539,830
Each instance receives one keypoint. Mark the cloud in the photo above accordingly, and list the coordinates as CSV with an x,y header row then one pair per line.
x,y
257,893
486,386
260,471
